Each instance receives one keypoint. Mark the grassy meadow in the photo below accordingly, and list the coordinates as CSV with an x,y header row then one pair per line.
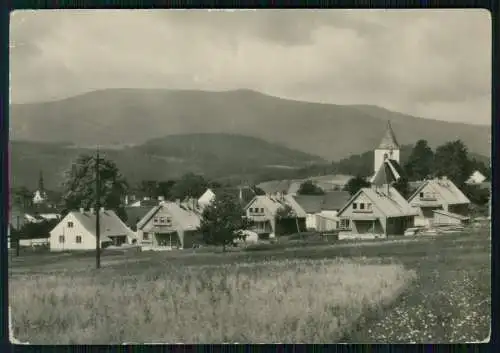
x,y
428,289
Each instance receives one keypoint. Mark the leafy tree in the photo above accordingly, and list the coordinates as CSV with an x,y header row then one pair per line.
x,y
22,197
190,185
164,188
287,212
451,160
355,184
403,187
420,162
80,185
223,221
149,188
31,230
477,195
309,188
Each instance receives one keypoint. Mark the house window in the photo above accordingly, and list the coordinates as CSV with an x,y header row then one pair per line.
x,y
70,224
261,210
421,194
162,219
344,223
145,236
361,206
155,220
354,206
168,221
369,206
61,239
78,239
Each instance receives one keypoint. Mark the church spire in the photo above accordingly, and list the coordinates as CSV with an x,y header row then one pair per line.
x,y
389,141
41,187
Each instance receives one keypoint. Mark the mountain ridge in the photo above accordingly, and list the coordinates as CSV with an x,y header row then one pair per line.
x,y
134,116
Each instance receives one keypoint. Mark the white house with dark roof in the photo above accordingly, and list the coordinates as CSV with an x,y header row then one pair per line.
x,y
439,195
263,211
375,212
76,231
169,225
322,210
476,178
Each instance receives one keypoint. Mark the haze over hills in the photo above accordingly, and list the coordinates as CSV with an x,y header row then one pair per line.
x,y
134,116
213,155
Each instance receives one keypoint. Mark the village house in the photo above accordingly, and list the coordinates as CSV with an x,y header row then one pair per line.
x,y
328,220
244,194
476,178
379,210
322,210
263,211
167,226
443,196
76,231
375,212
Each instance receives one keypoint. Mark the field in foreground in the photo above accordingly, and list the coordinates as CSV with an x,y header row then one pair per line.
x,y
449,301
287,301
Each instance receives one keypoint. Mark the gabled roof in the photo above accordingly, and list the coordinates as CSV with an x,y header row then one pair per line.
x,y
389,202
186,219
330,201
389,141
110,223
273,204
310,203
335,200
135,214
390,171
446,189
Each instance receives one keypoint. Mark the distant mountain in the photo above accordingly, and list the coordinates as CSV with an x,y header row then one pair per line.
x,y
219,156
134,116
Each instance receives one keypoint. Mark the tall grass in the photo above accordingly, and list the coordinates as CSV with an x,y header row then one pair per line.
x,y
287,301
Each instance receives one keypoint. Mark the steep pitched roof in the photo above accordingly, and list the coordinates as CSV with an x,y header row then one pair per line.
x,y
310,203
335,200
135,214
449,192
389,140
187,219
110,223
390,171
273,204
389,202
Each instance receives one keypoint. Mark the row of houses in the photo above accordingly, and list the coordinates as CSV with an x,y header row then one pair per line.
x,y
376,211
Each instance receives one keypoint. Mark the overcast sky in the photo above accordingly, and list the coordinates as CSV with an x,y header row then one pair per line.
x,y
429,63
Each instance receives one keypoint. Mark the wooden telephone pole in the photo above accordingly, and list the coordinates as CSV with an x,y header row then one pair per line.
x,y
97,214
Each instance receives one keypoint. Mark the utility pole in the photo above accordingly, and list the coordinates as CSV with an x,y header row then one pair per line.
x,y
97,211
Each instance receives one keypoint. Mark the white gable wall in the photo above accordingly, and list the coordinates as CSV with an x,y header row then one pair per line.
x,y
70,234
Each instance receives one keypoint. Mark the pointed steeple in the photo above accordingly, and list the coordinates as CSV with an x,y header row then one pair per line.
x,y
41,187
389,141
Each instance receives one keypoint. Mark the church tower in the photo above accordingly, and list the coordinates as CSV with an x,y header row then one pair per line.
x,y
388,148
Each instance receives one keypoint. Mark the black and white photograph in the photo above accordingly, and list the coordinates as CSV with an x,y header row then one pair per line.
x,y
249,176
